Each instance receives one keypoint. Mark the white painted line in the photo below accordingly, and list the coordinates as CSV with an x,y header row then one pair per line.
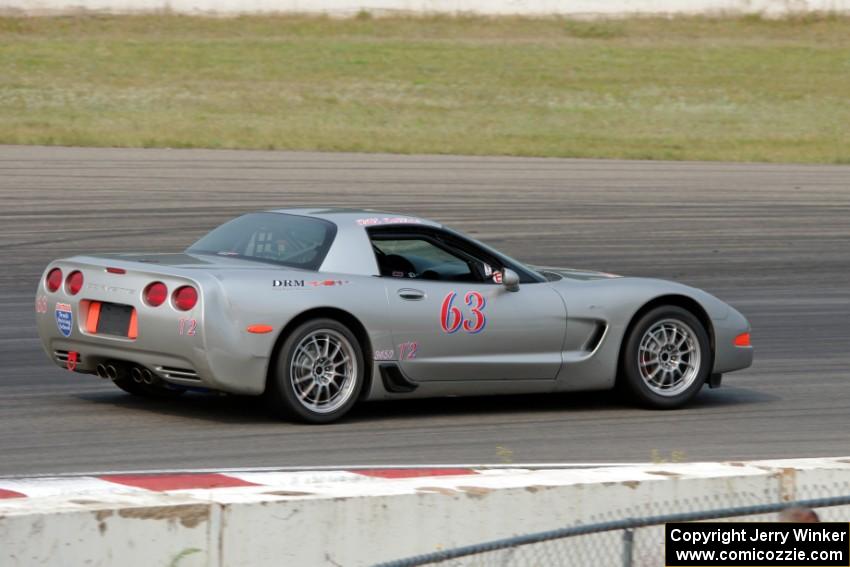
x,y
59,486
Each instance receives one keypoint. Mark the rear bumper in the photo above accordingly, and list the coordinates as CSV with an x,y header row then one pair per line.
x,y
213,360
170,368
191,371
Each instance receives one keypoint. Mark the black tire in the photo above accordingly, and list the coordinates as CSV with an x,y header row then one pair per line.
x,y
632,383
146,390
281,394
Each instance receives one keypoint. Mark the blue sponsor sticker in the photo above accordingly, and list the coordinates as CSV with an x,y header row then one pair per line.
x,y
64,318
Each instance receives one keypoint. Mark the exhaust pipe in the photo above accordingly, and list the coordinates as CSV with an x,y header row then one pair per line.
x,y
111,372
148,377
100,369
136,375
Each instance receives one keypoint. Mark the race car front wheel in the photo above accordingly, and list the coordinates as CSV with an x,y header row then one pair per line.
x,y
667,358
319,372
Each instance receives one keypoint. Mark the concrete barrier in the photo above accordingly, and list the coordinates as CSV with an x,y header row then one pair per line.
x,y
484,7
359,517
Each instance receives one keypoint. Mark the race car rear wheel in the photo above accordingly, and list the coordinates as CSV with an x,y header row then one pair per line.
x,y
319,372
667,358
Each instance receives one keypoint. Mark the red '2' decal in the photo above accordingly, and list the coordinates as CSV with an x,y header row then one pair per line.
x,y
187,327
452,318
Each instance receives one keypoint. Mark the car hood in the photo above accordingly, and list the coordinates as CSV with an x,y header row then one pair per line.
x,y
575,274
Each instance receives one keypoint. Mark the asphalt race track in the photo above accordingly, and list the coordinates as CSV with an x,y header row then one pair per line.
x,y
773,240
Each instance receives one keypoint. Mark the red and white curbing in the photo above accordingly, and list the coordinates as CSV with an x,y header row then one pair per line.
x,y
360,516
113,483
365,481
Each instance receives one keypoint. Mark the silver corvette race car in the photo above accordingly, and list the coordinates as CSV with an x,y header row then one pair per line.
x,y
319,308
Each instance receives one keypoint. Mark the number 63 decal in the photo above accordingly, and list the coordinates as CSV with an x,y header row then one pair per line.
x,y
452,318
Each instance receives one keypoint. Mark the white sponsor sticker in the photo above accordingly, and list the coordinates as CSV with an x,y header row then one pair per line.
x,y
64,319
388,354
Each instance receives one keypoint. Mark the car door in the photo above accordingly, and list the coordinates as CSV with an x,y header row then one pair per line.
x,y
452,321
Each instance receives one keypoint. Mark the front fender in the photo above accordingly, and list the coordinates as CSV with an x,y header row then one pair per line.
x,y
615,302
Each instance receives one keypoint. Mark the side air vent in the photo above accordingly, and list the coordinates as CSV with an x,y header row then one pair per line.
x,y
595,337
394,379
177,373
61,355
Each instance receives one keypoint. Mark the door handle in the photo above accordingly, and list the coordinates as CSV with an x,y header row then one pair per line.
x,y
411,294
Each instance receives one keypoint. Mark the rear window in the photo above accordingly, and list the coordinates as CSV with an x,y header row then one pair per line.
x,y
277,238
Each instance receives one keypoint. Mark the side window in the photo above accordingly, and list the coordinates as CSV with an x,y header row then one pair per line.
x,y
420,258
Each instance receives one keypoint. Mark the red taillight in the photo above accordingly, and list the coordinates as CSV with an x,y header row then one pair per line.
x,y
742,340
116,270
74,283
156,294
185,297
53,279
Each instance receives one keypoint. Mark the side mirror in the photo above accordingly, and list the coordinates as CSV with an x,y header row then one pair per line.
x,y
510,279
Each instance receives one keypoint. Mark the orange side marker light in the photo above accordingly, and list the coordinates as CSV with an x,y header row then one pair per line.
x,y
742,340
93,317
260,329
133,331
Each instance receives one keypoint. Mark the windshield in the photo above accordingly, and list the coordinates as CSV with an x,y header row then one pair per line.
x,y
289,240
